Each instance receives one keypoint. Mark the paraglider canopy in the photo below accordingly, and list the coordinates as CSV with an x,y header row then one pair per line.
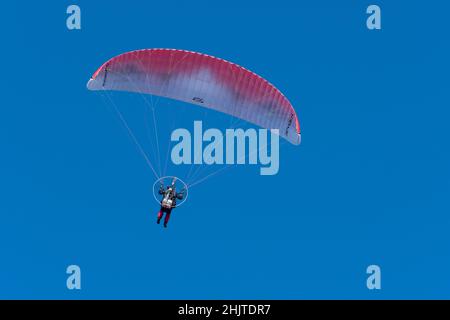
x,y
201,80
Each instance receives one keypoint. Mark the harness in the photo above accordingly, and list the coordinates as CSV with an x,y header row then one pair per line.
x,y
168,202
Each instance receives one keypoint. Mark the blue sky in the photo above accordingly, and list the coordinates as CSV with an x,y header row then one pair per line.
x,y
368,185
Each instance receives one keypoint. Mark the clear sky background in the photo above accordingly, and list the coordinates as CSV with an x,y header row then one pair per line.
x,y
368,185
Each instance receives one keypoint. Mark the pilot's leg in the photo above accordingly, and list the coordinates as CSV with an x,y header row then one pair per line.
x,y
160,214
166,219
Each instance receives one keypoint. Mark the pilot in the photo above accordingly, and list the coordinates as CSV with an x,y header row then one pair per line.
x,y
168,201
